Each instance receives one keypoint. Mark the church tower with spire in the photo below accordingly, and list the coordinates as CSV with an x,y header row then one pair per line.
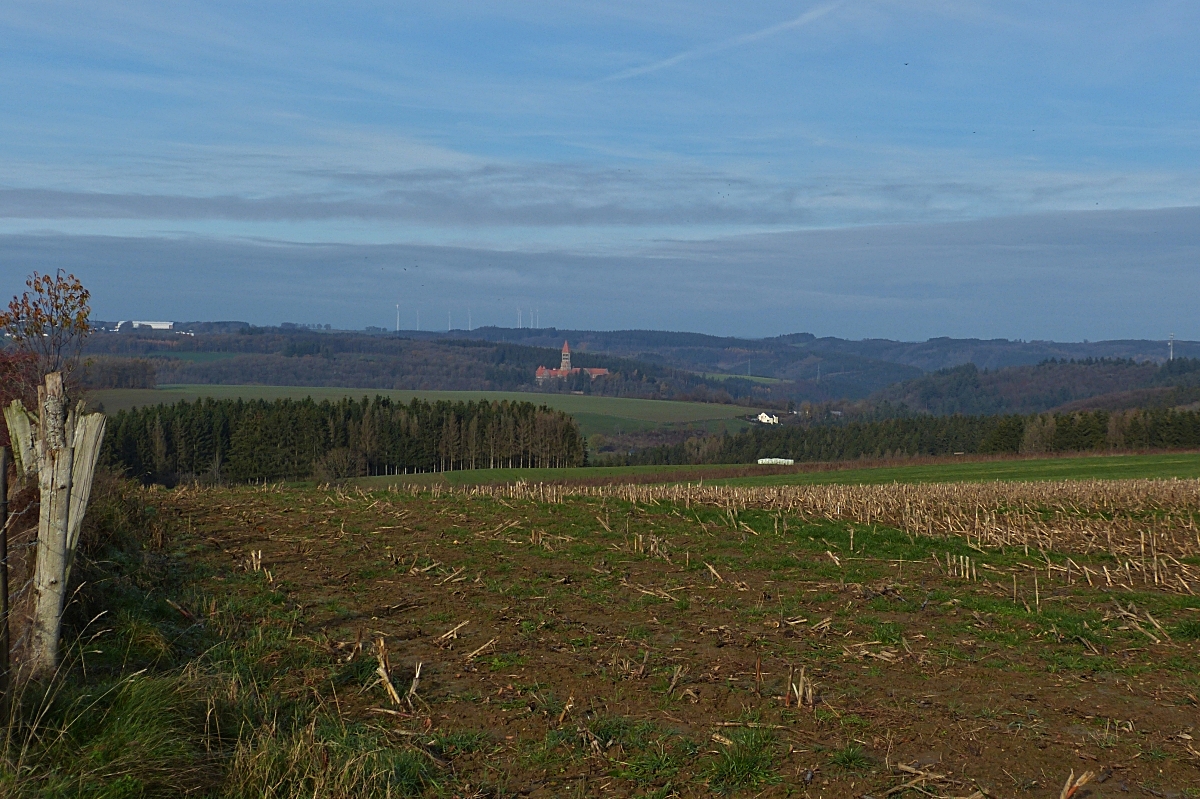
x,y
564,371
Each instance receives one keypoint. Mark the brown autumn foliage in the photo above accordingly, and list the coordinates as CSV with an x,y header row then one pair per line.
x,y
49,322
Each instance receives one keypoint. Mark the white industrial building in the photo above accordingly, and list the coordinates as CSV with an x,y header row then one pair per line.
x,y
149,325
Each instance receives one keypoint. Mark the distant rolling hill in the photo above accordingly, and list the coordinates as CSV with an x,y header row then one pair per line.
x,y
941,375
1104,384
719,353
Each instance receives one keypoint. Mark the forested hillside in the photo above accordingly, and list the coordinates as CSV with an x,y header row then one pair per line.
x,y
971,376
298,357
814,375
239,440
716,353
1045,386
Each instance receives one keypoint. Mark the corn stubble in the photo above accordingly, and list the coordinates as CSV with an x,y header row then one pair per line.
x,y
1147,526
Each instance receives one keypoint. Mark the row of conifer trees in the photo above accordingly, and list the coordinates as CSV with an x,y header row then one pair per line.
x,y
247,440
1097,431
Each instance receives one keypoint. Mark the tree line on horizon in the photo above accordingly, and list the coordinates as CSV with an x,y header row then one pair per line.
x,y
249,440
1088,431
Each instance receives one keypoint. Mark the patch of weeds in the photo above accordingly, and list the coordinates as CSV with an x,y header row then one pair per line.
x,y
1107,739
360,671
144,641
1189,629
548,751
506,660
122,740
855,722
546,703
683,603
637,633
888,632
459,742
851,758
614,730
1058,660
327,760
665,792
655,765
822,715
747,763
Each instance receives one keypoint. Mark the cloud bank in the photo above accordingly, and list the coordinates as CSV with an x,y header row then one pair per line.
x,y
1065,276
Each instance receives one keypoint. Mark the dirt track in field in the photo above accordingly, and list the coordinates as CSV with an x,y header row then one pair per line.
x,y
647,650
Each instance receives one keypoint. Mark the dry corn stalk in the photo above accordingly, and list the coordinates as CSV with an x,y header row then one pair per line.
x,y
384,670
1074,783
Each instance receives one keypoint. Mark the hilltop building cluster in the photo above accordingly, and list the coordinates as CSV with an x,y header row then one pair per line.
x,y
565,370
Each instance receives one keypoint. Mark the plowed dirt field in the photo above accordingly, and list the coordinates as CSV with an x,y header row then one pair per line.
x,y
587,646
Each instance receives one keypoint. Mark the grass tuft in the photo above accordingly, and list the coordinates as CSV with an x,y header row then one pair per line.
x,y
1188,628
326,761
459,742
654,766
851,758
748,763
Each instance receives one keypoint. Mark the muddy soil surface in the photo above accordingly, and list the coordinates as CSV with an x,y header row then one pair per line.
x,y
589,648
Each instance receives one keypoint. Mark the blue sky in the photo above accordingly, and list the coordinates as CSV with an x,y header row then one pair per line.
x,y
689,138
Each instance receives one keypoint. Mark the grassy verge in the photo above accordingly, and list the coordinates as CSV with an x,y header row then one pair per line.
x,y
166,690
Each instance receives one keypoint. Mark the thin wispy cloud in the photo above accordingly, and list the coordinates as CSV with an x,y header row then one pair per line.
x,y
728,44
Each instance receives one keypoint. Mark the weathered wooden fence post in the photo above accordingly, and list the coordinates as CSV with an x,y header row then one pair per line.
x,y
62,447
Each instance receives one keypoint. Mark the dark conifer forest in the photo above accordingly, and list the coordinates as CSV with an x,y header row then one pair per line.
x,y
237,440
